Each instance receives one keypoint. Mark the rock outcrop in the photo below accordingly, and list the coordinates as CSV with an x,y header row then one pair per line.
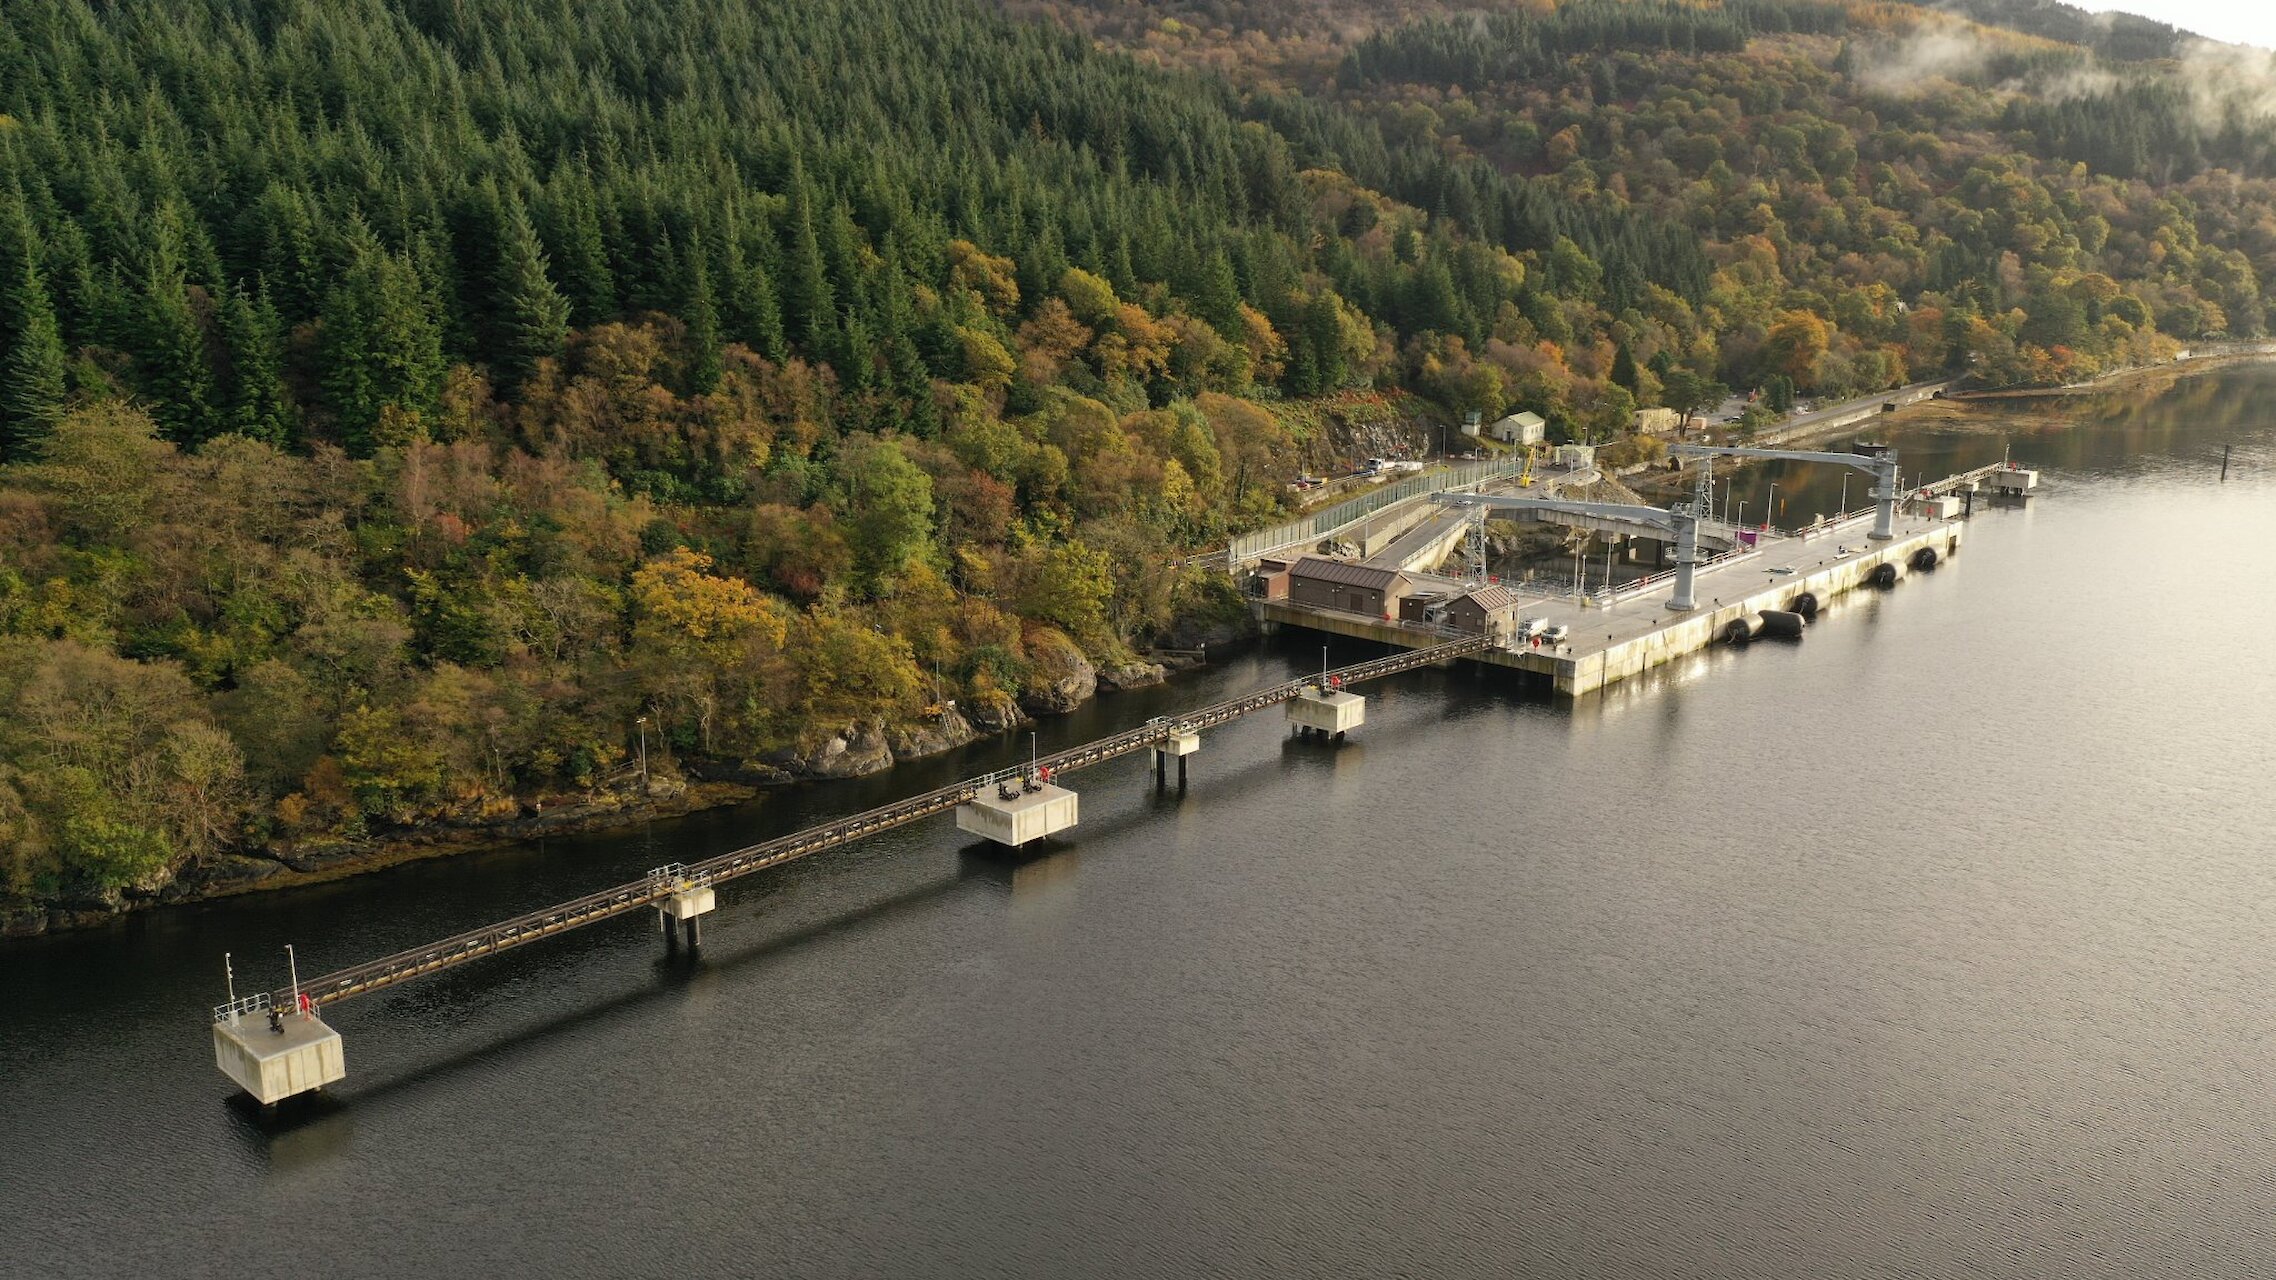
x,y
995,714
855,751
1131,675
930,737
1061,678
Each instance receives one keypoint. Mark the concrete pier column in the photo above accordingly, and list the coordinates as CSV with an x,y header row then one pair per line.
x,y
1327,711
1178,743
277,1057
1884,499
1034,811
685,898
1686,563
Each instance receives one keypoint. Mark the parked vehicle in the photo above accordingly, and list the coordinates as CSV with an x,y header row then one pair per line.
x,y
1556,634
1531,627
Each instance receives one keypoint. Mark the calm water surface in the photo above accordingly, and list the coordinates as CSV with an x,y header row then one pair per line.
x,y
1939,944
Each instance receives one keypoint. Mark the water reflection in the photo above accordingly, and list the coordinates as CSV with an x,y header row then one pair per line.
x,y
1931,945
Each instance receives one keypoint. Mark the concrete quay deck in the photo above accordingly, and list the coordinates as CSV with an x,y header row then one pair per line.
x,y
1610,644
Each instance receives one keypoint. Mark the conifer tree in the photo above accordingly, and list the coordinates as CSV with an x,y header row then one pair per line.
x,y
171,359
1323,324
34,381
577,249
381,343
752,312
258,404
1624,368
533,317
1218,300
703,326
810,305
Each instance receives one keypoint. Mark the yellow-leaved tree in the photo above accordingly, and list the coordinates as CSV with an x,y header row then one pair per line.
x,y
701,642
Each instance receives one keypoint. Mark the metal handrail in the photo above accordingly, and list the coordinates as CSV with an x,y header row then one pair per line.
x,y
1630,590
257,1003
1332,520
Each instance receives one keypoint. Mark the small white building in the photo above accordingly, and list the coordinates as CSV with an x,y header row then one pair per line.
x,y
1521,428
1576,457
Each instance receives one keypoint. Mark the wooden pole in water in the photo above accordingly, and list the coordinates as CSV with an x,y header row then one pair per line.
x,y
2225,462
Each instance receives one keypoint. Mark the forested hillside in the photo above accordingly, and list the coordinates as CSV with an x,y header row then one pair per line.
x,y
404,398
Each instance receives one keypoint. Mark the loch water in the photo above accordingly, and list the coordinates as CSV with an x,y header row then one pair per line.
x,y
1936,944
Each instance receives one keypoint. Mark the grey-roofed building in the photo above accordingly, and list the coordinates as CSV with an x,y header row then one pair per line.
x,y
1489,608
1353,588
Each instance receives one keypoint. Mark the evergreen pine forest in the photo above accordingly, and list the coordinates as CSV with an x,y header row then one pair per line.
x,y
402,399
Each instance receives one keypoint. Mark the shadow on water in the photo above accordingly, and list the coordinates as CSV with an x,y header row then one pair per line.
x,y
1045,864
312,1128
291,1130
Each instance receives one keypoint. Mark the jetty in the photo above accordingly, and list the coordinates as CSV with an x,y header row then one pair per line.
x,y
1728,584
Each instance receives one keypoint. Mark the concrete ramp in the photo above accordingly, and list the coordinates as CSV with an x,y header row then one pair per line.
x,y
1423,547
1712,537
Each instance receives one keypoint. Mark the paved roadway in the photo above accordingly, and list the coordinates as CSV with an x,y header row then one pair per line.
x,y
1733,579
1718,430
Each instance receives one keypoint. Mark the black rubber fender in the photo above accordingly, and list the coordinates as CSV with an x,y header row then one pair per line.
x,y
1882,575
1925,558
1805,604
1781,624
1739,631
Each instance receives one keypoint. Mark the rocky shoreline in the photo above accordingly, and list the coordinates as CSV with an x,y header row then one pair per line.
x,y
1066,680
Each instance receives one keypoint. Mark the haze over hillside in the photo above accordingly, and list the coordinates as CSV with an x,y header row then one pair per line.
x,y
402,397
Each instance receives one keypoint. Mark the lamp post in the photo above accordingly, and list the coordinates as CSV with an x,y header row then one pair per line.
x,y
642,722
1770,504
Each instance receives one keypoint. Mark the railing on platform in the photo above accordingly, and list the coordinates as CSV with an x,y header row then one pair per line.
x,y
1331,520
235,1009
1627,591
676,877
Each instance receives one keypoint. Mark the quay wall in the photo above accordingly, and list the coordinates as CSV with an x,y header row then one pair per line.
x,y
1587,671
1592,666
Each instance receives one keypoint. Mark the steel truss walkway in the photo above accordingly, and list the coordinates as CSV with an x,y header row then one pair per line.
x,y
388,971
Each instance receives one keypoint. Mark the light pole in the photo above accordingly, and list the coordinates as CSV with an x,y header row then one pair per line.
x,y
642,722
1770,504
1845,491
